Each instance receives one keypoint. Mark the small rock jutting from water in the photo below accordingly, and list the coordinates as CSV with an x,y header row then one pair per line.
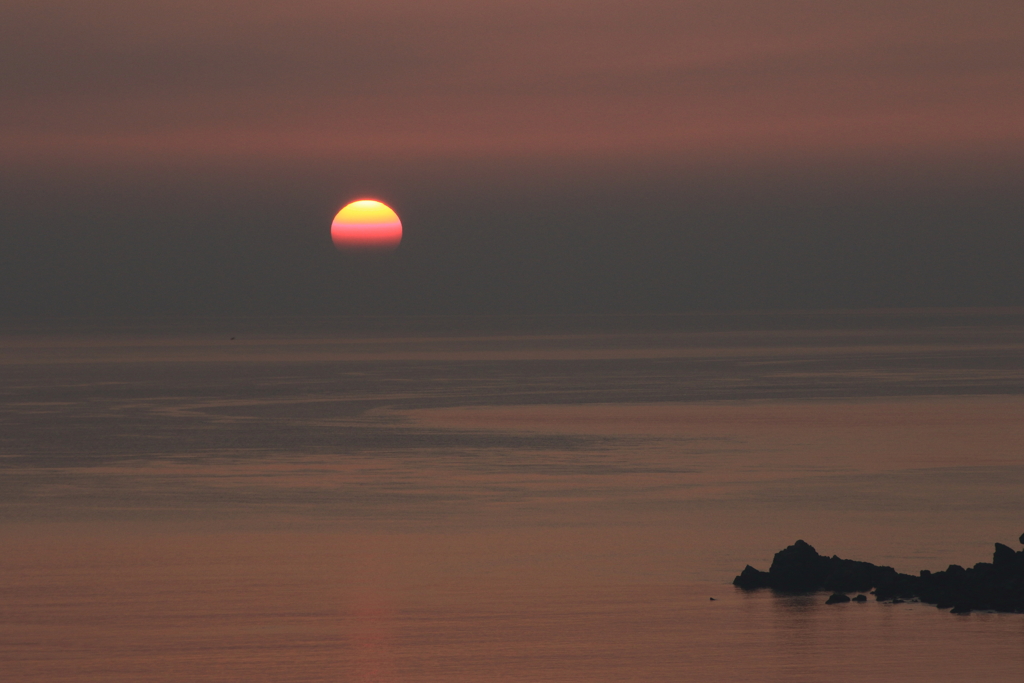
x,y
997,585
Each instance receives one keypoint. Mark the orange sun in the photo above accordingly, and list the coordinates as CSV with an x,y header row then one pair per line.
x,y
366,225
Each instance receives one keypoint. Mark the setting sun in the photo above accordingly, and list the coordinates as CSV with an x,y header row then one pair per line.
x,y
366,225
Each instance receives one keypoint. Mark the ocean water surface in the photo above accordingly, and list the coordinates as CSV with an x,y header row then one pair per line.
x,y
501,499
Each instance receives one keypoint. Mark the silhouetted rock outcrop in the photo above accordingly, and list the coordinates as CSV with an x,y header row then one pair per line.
x,y
996,585
800,569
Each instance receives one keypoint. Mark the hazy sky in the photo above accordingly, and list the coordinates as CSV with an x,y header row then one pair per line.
x,y
187,157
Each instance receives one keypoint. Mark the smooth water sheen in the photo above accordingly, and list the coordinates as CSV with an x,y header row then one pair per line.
x,y
501,499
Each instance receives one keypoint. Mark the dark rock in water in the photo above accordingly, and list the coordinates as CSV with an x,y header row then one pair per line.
x,y
751,578
996,585
798,568
860,598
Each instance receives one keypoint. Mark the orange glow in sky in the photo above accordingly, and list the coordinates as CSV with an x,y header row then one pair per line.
x,y
366,224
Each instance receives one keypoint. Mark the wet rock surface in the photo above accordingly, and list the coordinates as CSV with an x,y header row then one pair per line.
x,y
997,585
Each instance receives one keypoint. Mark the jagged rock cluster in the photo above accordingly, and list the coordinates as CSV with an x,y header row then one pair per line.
x,y
997,585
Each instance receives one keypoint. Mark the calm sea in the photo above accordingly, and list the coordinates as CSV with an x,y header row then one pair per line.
x,y
501,499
